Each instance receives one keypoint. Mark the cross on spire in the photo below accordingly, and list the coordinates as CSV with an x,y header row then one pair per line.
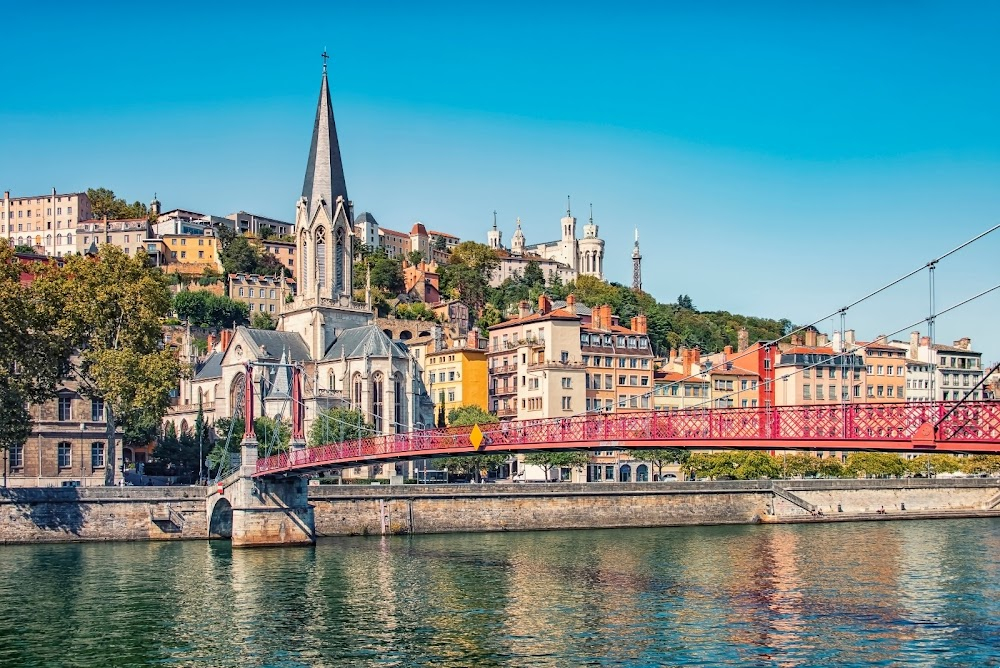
x,y
568,214
325,58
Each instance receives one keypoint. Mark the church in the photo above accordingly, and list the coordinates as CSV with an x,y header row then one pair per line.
x,y
566,258
347,360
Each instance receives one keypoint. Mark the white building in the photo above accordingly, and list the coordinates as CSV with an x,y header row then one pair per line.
x,y
566,257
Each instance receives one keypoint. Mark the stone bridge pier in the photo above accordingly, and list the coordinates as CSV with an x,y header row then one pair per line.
x,y
258,512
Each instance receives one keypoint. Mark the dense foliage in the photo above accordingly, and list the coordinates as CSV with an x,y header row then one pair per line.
x,y
203,309
104,203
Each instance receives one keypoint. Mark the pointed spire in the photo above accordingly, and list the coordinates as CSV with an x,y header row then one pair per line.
x,y
281,386
591,213
494,219
325,171
568,214
519,222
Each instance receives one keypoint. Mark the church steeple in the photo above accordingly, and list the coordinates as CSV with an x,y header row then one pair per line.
x,y
324,178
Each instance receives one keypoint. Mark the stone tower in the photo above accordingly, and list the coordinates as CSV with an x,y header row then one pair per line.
x,y
323,213
590,259
517,241
495,236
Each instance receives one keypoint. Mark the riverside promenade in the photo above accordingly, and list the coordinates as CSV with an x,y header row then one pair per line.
x,y
179,513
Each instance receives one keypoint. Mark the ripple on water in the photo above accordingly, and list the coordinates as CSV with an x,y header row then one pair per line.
x,y
923,593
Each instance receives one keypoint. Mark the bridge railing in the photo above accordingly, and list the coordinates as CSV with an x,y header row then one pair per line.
x,y
969,422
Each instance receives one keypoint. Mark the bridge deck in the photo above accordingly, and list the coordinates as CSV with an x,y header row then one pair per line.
x,y
972,427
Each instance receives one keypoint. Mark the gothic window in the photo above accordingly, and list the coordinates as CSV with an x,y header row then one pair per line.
x,y
397,395
338,259
237,394
356,392
321,257
378,389
305,261
333,381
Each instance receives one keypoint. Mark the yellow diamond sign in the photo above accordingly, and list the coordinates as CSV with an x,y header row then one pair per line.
x,y
476,437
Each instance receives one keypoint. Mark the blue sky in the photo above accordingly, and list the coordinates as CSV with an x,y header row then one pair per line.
x,y
779,159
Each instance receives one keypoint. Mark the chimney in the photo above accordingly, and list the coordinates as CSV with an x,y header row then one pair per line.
x,y
639,324
606,316
796,340
595,317
571,304
696,356
925,340
849,337
914,344
742,339
964,343
823,340
811,338
522,308
686,361
673,354
881,339
211,342
544,305
227,336
727,352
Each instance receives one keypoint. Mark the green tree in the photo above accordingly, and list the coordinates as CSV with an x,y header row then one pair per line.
x,y
548,461
416,311
336,425
466,416
924,464
476,466
262,320
34,347
661,457
104,202
440,244
273,437
684,302
979,464
203,309
112,312
830,468
467,275
414,257
875,464
24,248
533,275
491,316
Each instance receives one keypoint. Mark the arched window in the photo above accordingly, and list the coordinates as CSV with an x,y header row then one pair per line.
x,y
69,238
304,262
59,239
237,394
333,381
398,397
320,257
642,473
378,390
338,263
356,392
48,239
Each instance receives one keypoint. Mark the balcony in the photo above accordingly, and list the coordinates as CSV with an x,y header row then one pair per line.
x,y
503,369
504,390
555,364
506,412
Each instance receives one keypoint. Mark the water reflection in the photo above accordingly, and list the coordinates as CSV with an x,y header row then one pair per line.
x,y
922,593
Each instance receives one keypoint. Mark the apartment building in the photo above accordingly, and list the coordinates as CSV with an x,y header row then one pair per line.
x,y
885,371
250,223
128,234
535,364
457,376
191,254
618,362
283,251
263,294
47,223
814,373
942,372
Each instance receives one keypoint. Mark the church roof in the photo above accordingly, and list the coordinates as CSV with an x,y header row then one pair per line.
x,y
365,217
365,341
210,367
324,171
275,343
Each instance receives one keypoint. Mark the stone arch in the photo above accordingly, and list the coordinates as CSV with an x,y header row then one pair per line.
x,y
388,333
405,335
625,473
642,473
220,525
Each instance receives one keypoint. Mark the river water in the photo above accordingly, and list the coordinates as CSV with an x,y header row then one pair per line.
x,y
923,593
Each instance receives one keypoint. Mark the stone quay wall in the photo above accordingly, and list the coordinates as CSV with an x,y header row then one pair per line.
x,y
66,514
29,515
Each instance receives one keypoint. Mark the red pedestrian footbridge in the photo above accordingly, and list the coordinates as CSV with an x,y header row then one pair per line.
x,y
940,427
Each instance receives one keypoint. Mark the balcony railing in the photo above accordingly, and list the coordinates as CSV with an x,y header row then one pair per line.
x,y
503,368
554,364
503,390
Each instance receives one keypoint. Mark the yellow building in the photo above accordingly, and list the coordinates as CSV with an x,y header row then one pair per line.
x,y
191,254
457,376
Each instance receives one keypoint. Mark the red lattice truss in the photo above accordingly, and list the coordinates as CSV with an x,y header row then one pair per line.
x,y
971,427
